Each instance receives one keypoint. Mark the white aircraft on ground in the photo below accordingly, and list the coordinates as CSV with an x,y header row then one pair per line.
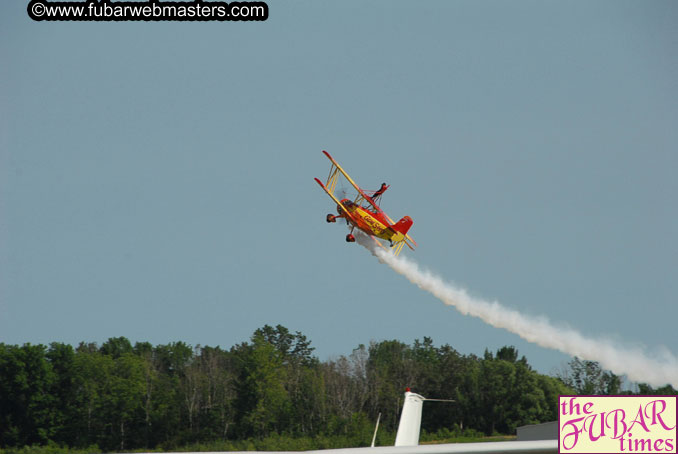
x,y
407,439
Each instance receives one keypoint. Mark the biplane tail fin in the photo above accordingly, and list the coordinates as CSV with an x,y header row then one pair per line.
x,y
403,225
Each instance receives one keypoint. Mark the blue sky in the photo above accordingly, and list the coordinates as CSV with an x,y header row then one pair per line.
x,y
156,179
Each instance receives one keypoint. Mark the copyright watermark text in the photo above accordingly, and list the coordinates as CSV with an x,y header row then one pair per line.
x,y
151,10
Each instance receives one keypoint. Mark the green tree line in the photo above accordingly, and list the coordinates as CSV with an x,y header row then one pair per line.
x,y
119,396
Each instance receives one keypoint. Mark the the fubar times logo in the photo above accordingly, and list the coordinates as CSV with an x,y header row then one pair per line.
x,y
617,424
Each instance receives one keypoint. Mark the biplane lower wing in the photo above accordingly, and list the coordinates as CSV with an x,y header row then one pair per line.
x,y
343,208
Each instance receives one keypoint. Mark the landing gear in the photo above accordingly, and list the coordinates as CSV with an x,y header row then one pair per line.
x,y
350,238
331,218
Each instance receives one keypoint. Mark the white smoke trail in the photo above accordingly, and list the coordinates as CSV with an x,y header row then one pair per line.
x,y
632,362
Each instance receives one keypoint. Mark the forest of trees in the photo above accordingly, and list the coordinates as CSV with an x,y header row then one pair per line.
x,y
119,396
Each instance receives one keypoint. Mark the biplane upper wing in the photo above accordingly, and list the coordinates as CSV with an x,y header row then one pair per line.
x,y
367,198
408,239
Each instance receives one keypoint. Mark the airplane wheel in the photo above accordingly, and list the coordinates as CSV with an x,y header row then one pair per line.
x,y
350,238
331,218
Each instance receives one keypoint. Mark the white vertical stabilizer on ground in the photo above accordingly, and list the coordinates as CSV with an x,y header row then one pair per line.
x,y
410,420
407,439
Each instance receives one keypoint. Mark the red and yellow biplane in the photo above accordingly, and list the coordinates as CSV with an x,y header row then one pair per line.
x,y
364,212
